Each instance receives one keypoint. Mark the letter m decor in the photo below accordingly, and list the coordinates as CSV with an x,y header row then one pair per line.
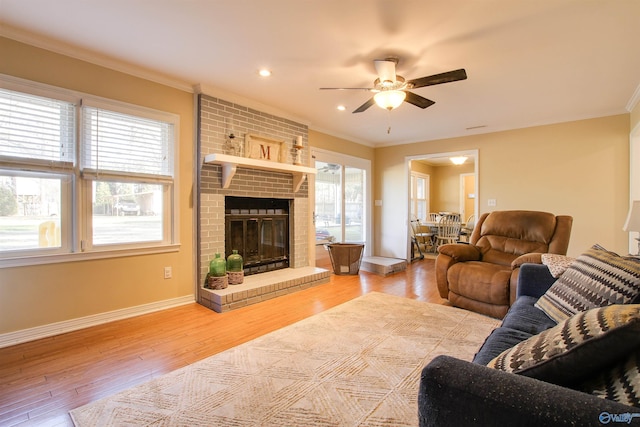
x,y
265,151
264,148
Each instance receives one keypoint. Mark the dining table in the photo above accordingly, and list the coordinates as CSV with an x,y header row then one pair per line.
x,y
432,226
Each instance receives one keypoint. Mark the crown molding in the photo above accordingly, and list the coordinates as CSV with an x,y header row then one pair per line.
x,y
635,98
86,55
342,136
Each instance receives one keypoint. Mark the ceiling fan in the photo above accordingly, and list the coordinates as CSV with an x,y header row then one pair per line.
x,y
392,89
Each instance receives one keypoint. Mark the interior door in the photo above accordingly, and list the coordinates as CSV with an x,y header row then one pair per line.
x,y
467,195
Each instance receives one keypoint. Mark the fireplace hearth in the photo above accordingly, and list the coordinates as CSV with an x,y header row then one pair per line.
x,y
258,228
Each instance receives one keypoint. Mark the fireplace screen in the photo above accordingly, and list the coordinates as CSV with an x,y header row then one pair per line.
x,y
259,229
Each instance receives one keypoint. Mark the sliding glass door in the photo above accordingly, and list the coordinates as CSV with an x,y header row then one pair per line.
x,y
341,193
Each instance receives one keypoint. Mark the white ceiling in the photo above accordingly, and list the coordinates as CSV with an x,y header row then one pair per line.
x,y
529,62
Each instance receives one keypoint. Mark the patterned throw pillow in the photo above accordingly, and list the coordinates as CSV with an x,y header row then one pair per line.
x,y
573,350
597,278
557,264
620,383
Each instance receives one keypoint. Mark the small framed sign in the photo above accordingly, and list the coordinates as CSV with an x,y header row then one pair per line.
x,y
264,148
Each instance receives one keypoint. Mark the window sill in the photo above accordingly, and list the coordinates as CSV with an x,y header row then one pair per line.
x,y
86,256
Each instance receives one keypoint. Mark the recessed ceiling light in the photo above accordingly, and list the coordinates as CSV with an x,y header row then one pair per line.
x,y
264,72
341,107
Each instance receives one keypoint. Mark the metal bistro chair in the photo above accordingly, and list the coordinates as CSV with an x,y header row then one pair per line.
x,y
448,229
415,245
423,239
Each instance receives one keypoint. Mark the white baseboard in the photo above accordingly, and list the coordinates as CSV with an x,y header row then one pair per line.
x,y
24,335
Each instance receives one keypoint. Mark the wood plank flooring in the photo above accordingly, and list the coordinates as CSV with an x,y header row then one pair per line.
x,y
40,381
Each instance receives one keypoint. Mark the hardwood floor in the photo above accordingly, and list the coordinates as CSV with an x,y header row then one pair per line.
x,y
40,381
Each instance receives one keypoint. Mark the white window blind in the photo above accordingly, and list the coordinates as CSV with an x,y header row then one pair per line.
x,y
117,144
36,130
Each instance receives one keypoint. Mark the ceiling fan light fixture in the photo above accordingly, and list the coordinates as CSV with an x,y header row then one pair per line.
x,y
389,99
458,160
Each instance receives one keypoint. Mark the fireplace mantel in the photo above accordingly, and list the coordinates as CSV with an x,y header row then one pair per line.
x,y
230,163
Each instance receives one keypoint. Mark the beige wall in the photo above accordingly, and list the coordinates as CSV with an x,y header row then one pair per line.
x,y
577,168
445,187
634,169
331,143
421,167
44,294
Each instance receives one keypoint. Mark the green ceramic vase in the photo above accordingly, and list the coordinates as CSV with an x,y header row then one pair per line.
x,y
234,261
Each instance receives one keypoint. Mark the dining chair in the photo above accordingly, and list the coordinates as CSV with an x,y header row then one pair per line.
x,y
448,230
433,217
467,229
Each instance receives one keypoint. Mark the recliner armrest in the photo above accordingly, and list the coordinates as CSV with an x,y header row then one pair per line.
x,y
532,258
460,252
460,393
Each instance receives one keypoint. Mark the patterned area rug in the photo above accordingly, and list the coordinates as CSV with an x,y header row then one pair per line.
x,y
356,364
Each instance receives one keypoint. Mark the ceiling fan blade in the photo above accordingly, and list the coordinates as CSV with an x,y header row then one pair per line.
x,y
386,70
417,100
346,88
436,79
364,106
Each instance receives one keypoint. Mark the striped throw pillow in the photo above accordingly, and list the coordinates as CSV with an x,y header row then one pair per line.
x,y
620,382
577,348
597,278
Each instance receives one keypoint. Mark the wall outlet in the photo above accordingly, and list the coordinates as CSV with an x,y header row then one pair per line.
x,y
167,273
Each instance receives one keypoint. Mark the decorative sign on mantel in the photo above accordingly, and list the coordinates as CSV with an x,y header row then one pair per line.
x,y
264,148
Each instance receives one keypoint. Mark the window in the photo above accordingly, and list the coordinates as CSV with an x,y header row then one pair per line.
x,y
82,175
30,209
419,195
128,160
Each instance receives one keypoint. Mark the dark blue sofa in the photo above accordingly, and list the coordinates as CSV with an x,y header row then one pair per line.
x,y
454,392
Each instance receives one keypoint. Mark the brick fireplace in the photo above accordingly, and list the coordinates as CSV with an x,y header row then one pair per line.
x,y
217,120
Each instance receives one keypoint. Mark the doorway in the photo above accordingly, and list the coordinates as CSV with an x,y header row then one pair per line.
x,y
452,187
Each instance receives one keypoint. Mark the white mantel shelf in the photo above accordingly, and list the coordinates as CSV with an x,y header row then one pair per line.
x,y
230,163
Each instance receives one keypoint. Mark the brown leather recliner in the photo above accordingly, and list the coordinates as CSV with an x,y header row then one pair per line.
x,y
481,276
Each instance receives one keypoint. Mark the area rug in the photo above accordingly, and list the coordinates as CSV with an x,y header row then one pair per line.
x,y
357,364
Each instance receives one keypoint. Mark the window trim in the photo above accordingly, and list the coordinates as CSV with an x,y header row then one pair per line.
x,y
76,198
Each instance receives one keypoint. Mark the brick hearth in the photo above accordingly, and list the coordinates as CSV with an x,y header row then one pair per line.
x,y
262,287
